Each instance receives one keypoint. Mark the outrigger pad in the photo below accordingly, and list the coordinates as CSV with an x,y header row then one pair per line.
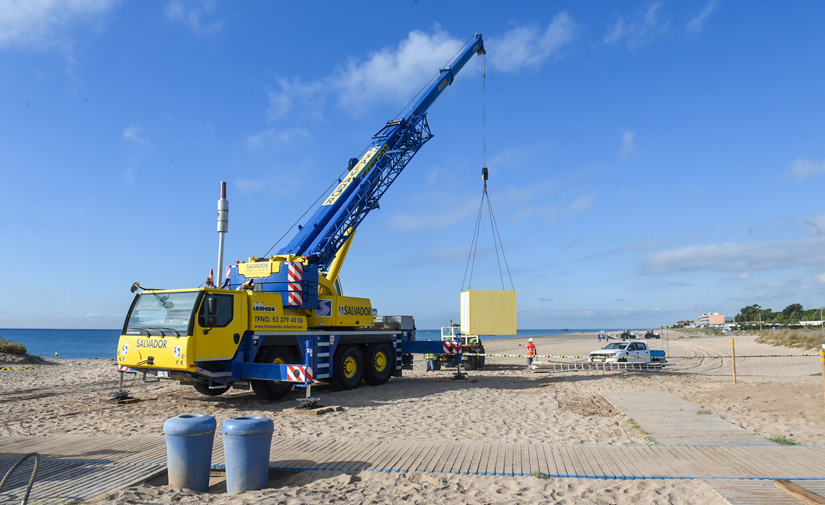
x,y
120,397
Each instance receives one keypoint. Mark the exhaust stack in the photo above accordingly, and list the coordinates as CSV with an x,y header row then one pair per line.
x,y
223,227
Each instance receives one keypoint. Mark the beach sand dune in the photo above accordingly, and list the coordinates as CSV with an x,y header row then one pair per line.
x,y
504,403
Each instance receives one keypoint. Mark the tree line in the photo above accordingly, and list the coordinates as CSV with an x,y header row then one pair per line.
x,y
792,314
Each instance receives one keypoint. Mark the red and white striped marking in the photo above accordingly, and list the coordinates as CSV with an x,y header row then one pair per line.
x,y
299,374
295,274
452,347
121,368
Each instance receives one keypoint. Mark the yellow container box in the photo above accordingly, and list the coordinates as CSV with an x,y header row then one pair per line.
x,y
488,312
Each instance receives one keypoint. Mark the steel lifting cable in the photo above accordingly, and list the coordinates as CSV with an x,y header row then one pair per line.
x,y
469,269
314,204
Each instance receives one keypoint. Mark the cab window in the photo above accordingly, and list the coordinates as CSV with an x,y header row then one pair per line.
x,y
224,311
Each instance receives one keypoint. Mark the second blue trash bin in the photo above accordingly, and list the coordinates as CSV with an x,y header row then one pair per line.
x,y
246,442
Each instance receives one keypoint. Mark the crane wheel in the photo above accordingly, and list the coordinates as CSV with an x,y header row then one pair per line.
x,y
380,364
274,390
349,367
203,389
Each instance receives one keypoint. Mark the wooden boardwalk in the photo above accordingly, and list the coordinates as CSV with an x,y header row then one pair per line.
x,y
674,421
691,444
83,468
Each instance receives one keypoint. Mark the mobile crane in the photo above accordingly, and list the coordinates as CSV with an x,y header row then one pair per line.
x,y
281,321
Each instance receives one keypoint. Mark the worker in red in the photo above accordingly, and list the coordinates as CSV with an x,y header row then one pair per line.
x,y
531,351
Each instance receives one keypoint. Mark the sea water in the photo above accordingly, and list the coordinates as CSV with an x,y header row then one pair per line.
x,y
68,344
102,344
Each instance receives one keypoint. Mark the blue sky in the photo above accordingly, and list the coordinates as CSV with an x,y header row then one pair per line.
x,y
649,161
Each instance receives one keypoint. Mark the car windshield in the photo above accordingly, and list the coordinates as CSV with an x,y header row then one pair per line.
x,y
163,312
616,345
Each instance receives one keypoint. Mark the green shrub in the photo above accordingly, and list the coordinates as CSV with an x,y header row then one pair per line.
x,y
802,339
11,347
781,440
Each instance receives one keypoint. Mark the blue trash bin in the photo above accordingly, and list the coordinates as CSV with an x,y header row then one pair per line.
x,y
189,440
246,442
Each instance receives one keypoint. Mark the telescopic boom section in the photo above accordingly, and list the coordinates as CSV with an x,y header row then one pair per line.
x,y
359,192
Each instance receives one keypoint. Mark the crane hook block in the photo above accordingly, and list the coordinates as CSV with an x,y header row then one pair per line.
x,y
484,175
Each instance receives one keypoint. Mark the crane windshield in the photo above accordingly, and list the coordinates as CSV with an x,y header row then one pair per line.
x,y
162,313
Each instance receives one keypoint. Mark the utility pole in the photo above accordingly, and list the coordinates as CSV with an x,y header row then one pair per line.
x,y
822,324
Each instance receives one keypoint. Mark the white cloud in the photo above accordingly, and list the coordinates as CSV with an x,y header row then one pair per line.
x,y
198,16
802,169
697,24
432,177
442,255
526,46
388,75
435,220
44,22
642,29
132,133
280,186
272,136
582,204
308,98
394,73
628,145
128,174
742,257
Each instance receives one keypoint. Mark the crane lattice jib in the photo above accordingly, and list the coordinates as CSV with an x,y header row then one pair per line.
x,y
358,193
410,139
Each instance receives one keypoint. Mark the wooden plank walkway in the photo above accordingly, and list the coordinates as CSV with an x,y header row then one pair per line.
x,y
674,421
83,468
77,469
692,444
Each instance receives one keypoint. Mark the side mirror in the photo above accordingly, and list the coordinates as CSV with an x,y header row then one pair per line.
x,y
211,311
135,287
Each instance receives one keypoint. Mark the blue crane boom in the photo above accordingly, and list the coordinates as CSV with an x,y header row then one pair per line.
x,y
318,243
368,179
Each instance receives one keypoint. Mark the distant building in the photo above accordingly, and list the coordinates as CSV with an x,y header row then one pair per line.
x,y
711,319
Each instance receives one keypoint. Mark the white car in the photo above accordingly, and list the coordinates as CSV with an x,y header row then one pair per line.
x,y
633,351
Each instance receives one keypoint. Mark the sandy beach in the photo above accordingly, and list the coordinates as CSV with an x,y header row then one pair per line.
x,y
773,397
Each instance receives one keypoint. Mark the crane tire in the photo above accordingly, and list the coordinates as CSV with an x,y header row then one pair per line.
x,y
349,367
380,363
203,389
274,390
